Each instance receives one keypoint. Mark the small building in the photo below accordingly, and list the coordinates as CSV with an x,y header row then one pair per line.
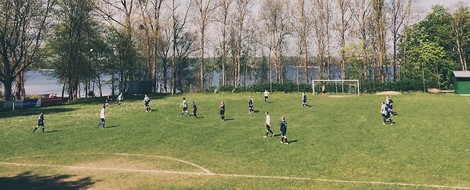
x,y
462,82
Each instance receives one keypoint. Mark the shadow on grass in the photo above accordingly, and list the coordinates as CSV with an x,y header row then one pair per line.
x,y
256,111
33,111
293,141
27,180
53,131
229,119
112,126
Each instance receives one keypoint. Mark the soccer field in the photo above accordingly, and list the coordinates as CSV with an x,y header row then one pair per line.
x,y
336,143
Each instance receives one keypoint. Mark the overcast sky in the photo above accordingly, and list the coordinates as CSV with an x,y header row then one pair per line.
x,y
426,5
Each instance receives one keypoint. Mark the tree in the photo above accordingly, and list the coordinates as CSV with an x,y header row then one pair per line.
x,y
302,23
461,32
361,10
322,13
22,28
352,53
343,25
276,20
119,14
150,13
204,11
399,11
380,36
224,9
427,63
72,45
243,7
430,57
181,42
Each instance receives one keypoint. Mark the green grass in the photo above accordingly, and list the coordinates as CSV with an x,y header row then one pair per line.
x,y
338,138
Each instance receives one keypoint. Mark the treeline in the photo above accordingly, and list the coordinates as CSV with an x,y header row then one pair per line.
x,y
183,45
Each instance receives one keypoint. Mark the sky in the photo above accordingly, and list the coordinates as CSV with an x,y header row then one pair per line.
x,y
426,5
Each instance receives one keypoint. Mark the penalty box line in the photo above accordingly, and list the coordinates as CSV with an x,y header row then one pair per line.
x,y
239,176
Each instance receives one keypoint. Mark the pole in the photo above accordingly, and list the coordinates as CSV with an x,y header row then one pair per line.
x,y
424,83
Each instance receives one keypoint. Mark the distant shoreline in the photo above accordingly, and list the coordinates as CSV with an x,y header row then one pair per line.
x,y
38,83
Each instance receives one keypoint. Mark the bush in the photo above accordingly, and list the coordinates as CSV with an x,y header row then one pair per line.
x,y
402,85
365,87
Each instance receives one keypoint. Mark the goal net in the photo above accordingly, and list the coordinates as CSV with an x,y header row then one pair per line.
x,y
350,87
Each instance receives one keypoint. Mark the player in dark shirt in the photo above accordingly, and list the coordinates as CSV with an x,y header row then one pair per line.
x,y
304,100
284,131
389,103
40,122
250,105
222,111
194,110
147,104
385,114
108,99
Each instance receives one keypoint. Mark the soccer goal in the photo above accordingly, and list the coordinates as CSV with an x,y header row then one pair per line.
x,y
336,86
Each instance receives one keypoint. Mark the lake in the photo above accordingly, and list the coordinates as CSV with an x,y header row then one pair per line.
x,y
39,82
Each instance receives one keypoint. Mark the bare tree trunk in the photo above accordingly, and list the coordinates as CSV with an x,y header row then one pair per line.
x,y
399,11
63,91
201,68
460,17
361,12
243,10
461,52
327,24
175,33
320,22
303,26
173,56
344,7
276,19
380,33
100,86
20,90
225,8
204,11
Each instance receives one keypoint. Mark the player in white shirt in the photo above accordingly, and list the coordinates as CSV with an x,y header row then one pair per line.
x,y
268,126
102,116
266,96
119,98
185,107
147,104
385,114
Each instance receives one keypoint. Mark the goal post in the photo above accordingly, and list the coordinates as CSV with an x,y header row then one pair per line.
x,y
339,86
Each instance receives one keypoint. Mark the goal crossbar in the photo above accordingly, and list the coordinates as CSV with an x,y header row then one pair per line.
x,y
357,87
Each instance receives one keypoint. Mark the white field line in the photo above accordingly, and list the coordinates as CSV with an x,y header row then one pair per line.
x,y
103,169
122,154
239,176
168,158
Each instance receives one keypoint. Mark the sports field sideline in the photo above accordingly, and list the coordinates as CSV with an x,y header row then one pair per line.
x,y
336,143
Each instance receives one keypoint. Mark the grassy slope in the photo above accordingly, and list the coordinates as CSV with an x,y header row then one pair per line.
x,y
337,138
